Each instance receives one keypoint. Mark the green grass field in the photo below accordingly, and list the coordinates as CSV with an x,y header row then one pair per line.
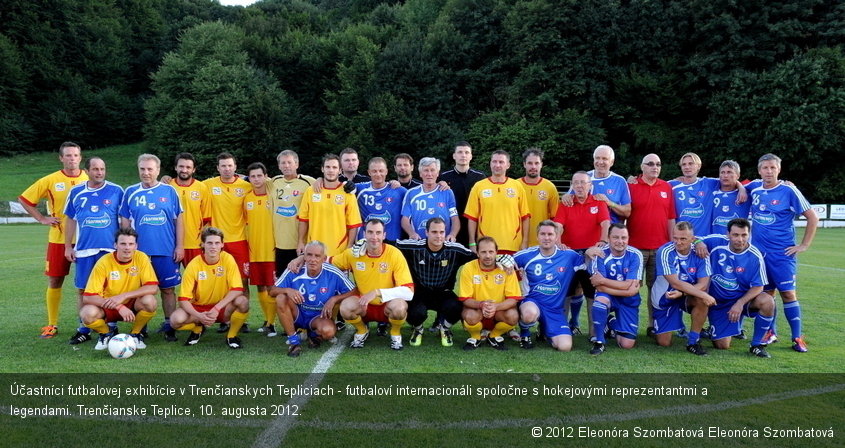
x,y
799,390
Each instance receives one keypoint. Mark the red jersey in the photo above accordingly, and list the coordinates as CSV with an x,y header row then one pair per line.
x,y
582,222
652,206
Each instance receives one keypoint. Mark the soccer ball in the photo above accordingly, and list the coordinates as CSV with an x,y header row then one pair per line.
x,y
122,346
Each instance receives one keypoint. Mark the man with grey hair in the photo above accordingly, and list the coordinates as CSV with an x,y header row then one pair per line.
x,y
723,203
153,209
774,206
285,197
428,201
652,219
608,187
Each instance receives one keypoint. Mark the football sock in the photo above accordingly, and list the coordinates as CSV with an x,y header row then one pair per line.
x,y
473,330
693,337
188,327
599,320
761,325
236,322
500,328
294,339
525,329
141,319
792,311
99,326
396,327
575,303
82,329
358,323
268,306
54,300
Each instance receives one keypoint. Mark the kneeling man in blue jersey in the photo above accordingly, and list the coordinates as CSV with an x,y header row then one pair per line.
x,y
548,271
683,279
739,275
617,273
306,300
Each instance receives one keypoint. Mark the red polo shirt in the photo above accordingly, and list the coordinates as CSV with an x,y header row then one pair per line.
x,y
651,208
582,222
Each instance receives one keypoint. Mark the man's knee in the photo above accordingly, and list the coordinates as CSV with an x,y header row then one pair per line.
x,y
562,343
529,313
242,304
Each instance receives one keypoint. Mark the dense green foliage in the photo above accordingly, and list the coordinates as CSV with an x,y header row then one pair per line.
x,y
722,78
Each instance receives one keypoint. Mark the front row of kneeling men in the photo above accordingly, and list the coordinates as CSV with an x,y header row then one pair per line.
x,y
717,278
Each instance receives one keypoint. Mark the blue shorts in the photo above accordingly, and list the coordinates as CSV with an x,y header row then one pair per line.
x,y
167,271
781,271
304,318
669,314
627,309
721,326
552,320
84,266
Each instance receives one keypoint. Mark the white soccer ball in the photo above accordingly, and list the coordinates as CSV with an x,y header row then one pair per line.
x,y
122,346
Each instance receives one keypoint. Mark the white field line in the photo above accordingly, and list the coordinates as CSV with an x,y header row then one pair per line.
x,y
274,435
822,267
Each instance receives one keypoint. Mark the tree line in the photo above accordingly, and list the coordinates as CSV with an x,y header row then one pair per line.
x,y
724,78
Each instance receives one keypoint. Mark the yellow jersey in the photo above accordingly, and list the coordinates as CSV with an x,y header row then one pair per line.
x,y
542,204
499,209
494,285
207,284
111,277
388,270
330,214
196,206
54,188
258,213
286,197
227,203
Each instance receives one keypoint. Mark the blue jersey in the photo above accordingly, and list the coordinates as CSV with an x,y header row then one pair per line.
x,y
772,211
384,204
420,206
153,212
629,266
548,277
692,202
316,290
96,213
615,187
723,208
689,268
734,273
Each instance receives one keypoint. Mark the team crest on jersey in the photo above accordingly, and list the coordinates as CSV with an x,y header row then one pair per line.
x,y
762,207
775,202
195,195
324,290
217,191
609,190
114,275
316,197
338,199
691,201
729,269
60,186
444,263
219,271
202,275
151,206
162,200
594,210
360,266
382,267
561,269
510,192
250,205
296,193
486,193
95,208
389,200
239,192
312,298
691,270
106,201
441,204
663,195
499,279
726,208
476,279
379,207
740,269
542,195
550,277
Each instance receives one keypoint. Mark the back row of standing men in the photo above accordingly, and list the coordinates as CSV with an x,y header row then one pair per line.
x,y
471,204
